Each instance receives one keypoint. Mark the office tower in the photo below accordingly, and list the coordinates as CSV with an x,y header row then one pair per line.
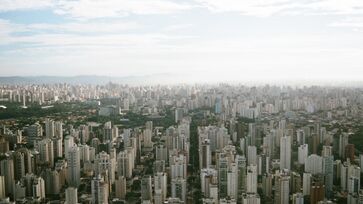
x,y
100,191
222,175
360,196
343,142
252,179
161,152
315,141
84,153
285,152
74,166
146,188
269,144
7,170
296,182
95,143
38,188
242,173
19,164
327,151
208,178
328,172
300,137
71,196
349,152
353,199
179,112
222,138
179,189
2,187
61,168
4,145
57,147
149,125
298,198
214,193
34,132
105,166
306,183
147,138
232,182
120,186
52,182
267,185
114,133
303,153
125,164
314,164
242,146
178,166
344,175
353,185
250,198
68,144
159,166
205,155
84,134
58,130
218,105
49,128
317,192
252,134
107,132
160,183
353,179
252,155
158,196
46,151
282,188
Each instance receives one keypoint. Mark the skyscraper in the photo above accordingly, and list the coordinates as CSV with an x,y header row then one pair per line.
x,y
46,151
100,191
74,166
2,187
71,196
146,189
252,179
285,152
205,154
179,189
222,175
282,188
328,171
49,128
160,182
303,153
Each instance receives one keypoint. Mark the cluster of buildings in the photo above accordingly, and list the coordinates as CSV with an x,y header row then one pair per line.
x,y
255,145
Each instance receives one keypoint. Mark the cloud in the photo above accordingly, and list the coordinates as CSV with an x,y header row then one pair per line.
x,y
86,27
13,5
352,22
90,9
263,8
115,8
114,33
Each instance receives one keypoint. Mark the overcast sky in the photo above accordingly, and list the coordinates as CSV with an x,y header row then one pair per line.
x,y
215,39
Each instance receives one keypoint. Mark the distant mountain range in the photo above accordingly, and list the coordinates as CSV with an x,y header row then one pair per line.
x,y
88,79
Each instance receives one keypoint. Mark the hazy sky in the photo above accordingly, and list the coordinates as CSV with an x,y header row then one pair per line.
x,y
218,39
